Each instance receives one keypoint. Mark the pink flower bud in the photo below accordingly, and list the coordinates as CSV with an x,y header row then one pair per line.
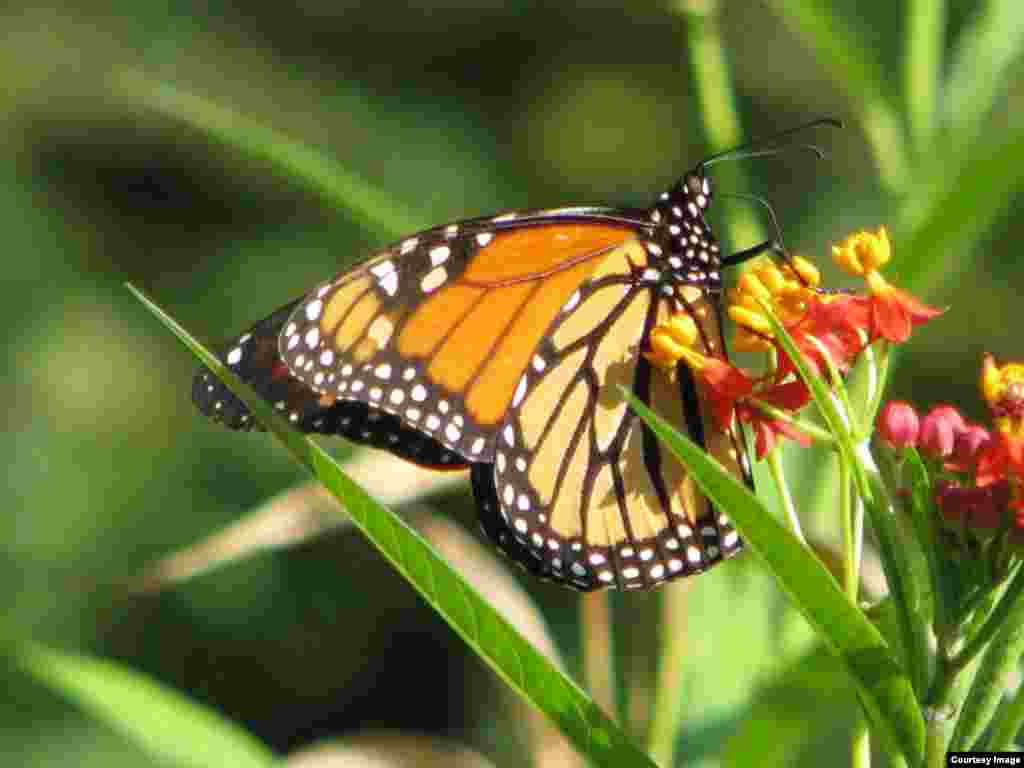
x,y
939,430
898,424
967,444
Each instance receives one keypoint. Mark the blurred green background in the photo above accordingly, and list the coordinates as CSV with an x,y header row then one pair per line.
x,y
452,110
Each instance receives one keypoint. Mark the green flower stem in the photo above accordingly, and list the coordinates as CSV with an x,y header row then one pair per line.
x,y
942,705
779,477
668,704
850,569
924,27
716,97
860,746
369,206
879,371
1011,602
1002,652
1008,723
596,643
813,430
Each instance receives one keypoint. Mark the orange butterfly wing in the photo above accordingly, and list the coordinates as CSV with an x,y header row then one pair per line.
x,y
581,491
438,329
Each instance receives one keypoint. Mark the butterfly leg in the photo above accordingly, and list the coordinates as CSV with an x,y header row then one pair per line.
x,y
773,246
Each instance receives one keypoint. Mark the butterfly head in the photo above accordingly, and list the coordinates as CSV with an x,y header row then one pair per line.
x,y
696,187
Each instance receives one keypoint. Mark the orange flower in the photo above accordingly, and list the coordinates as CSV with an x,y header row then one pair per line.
x,y
732,392
1002,458
894,312
1003,390
836,325
791,397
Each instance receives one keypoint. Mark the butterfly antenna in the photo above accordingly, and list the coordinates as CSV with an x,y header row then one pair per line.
x,y
761,148
771,214
778,246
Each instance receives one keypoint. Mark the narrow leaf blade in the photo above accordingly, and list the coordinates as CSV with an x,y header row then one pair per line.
x,y
508,653
885,688
162,721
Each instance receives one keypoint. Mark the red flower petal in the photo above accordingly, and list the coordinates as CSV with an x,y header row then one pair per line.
x,y
727,384
894,313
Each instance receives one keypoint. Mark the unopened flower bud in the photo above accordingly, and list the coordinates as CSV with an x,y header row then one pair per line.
x,y
898,424
939,430
968,443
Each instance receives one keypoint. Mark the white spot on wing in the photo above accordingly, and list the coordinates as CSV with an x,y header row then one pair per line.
x,y
389,283
383,269
520,392
434,279
439,255
313,309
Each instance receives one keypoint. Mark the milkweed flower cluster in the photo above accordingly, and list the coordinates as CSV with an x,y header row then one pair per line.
x,y
979,469
831,330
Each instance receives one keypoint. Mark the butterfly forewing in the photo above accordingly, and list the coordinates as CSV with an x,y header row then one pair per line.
x,y
254,358
437,329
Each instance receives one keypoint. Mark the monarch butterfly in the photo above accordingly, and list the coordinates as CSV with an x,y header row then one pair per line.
x,y
499,344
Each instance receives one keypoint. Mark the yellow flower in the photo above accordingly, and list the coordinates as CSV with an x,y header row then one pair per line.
x,y
1003,390
673,341
786,287
863,252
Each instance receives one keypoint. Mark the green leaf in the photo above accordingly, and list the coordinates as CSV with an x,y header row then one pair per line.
x,y
925,516
801,706
855,66
942,229
925,35
308,166
1000,662
907,589
986,50
483,629
163,722
885,689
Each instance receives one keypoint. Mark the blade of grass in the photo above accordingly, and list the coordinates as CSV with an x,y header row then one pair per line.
x,y
942,231
886,691
1007,724
987,48
308,166
855,66
162,721
1000,661
924,517
483,629
924,28
717,97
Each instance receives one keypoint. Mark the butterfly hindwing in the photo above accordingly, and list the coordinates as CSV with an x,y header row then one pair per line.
x,y
580,490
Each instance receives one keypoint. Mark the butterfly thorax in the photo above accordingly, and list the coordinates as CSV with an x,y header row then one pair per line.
x,y
682,240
